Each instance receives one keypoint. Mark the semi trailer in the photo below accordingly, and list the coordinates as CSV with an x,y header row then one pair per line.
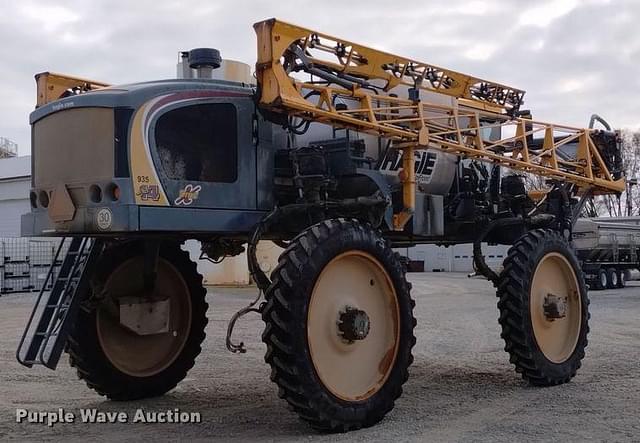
x,y
608,250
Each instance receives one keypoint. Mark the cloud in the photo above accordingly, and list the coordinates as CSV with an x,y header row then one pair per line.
x,y
545,13
49,17
573,57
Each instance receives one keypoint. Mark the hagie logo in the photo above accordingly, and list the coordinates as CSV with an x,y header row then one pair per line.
x,y
424,165
188,195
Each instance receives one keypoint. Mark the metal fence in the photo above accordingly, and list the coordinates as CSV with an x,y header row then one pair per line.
x,y
24,263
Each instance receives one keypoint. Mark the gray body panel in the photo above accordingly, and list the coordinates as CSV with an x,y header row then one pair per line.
x,y
139,219
221,208
237,206
134,95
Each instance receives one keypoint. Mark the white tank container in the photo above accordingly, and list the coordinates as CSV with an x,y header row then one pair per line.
x,y
229,70
234,71
435,170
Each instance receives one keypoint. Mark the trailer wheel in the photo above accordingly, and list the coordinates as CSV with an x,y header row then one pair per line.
x,y
622,279
602,279
543,308
612,278
118,362
339,326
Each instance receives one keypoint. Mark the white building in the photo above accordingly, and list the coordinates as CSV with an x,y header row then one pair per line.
x,y
15,183
457,258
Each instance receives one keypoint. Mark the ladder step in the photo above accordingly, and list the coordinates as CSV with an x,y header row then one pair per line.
x,y
45,342
76,278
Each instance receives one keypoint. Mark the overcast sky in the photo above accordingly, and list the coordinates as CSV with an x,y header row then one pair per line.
x,y
573,57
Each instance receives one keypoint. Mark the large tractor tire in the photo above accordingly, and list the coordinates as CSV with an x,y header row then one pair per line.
x,y
122,364
339,326
544,309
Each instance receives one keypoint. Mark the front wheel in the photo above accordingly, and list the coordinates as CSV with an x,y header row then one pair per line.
x,y
129,344
543,308
339,326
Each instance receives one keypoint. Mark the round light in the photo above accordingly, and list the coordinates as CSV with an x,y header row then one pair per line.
x,y
113,192
95,193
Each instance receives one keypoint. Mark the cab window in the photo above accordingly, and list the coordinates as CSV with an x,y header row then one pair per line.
x,y
199,143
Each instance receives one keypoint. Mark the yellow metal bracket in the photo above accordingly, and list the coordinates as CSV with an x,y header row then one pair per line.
x,y
52,86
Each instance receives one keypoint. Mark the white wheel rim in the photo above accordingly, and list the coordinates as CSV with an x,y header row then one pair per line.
x,y
353,371
144,355
557,338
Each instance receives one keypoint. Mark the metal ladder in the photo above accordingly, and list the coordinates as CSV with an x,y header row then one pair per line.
x,y
47,339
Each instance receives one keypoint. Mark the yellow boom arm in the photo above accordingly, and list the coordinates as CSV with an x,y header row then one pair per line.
x,y
353,94
52,86
319,52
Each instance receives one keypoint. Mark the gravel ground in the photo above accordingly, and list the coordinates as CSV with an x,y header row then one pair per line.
x,y
462,387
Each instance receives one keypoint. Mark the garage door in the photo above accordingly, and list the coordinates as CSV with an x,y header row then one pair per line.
x,y
463,257
10,212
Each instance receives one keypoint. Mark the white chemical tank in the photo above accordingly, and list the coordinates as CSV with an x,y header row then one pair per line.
x,y
234,71
206,63
435,170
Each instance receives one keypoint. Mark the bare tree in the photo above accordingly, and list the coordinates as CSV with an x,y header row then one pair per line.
x,y
626,204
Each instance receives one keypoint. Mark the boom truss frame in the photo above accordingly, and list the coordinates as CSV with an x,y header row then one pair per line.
x,y
354,95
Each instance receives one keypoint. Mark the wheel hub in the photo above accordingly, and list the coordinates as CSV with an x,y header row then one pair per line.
x,y
555,307
353,324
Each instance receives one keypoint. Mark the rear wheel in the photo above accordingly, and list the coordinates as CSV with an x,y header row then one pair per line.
x,y
612,279
622,279
339,326
128,344
543,308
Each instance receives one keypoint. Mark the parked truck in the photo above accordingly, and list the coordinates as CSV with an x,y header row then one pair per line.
x,y
608,250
